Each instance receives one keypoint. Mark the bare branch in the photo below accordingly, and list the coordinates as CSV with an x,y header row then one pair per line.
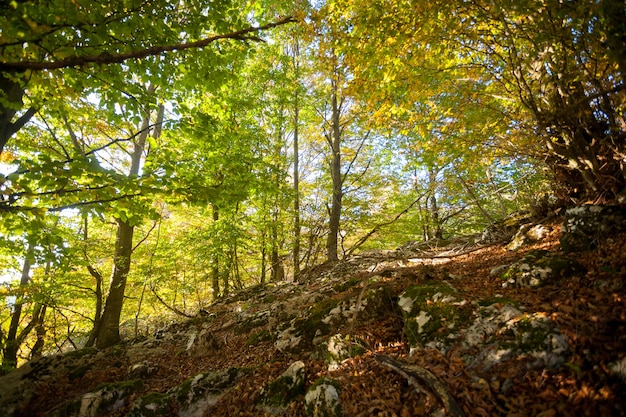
x,y
379,226
356,155
169,307
154,225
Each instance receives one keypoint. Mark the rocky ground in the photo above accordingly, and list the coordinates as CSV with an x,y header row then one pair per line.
x,y
454,328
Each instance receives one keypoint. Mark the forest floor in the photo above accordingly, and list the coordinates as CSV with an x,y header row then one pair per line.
x,y
590,308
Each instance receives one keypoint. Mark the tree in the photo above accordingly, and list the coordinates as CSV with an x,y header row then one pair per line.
x,y
338,112
107,327
13,341
274,76
81,38
551,88
296,161
41,252
333,136
555,64
108,53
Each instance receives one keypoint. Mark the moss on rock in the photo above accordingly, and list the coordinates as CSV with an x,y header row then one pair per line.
x,y
299,336
539,268
338,348
79,353
211,382
323,399
346,285
259,337
154,404
276,395
104,399
432,313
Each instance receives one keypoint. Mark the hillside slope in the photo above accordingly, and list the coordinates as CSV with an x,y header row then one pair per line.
x,y
430,331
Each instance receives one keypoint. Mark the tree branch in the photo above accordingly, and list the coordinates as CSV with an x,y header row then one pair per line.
x,y
154,225
356,155
106,58
9,208
14,127
169,307
376,228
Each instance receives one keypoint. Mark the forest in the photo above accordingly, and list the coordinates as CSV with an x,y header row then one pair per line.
x,y
157,156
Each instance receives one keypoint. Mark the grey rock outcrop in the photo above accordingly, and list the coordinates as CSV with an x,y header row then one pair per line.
x,y
190,399
276,395
433,314
503,332
538,268
322,399
108,398
528,234
584,226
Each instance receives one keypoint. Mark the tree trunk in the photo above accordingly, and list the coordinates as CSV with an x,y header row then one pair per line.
x,y
335,172
97,292
99,304
296,169
274,244
432,205
109,329
263,258
434,213
37,350
12,344
215,264
275,258
235,266
11,93
226,273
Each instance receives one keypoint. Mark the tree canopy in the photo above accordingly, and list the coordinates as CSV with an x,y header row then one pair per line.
x,y
189,148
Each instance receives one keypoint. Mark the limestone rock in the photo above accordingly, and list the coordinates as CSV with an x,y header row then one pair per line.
x,y
106,399
276,395
432,314
619,368
288,339
200,341
504,229
489,320
314,323
140,370
539,268
536,335
584,226
322,399
338,348
192,398
201,392
137,352
498,270
362,306
528,234
303,333
504,332
20,386
151,405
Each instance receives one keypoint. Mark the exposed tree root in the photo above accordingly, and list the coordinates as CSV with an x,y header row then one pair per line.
x,y
416,374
